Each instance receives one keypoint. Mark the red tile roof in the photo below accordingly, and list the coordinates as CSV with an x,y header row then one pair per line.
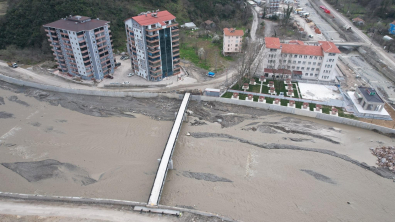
x,y
302,49
228,32
297,72
149,19
329,47
298,42
272,43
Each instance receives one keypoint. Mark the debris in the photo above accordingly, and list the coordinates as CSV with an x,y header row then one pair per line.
x,y
385,157
188,134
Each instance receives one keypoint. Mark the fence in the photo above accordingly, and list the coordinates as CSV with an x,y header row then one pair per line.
x,y
203,98
337,103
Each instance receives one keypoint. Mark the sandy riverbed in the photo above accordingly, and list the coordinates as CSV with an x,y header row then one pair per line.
x,y
232,171
81,155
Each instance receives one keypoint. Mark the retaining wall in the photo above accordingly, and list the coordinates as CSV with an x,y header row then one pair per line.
x,y
202,98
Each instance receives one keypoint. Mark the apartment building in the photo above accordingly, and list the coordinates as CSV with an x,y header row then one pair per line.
x,y
316,62
82,46
233,40
272,6
153,45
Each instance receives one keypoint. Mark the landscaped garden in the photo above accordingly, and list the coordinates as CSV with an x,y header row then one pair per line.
x,y
298,105
278,85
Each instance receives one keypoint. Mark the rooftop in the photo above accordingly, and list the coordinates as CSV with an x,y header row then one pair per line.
x,y
154,18
329,47
357,19
233,32
297,42
272,43
370,95
302,49
209,22
77,23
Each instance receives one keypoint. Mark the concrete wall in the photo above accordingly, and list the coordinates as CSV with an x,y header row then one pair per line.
x,y
203,98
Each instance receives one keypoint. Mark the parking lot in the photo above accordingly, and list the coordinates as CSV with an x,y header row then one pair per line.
x,y
122,78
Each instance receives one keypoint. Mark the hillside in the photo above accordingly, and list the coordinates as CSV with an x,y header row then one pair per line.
x,y
21,26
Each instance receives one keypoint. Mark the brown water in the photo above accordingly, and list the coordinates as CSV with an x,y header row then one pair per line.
x,y
120,153
280,185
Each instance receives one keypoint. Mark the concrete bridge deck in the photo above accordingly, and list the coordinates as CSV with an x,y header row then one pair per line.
x,y
160,177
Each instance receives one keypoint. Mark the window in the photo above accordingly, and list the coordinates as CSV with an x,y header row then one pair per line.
x,y
297,68
305,57
299,62
289,61
314,63
293,67
311,57
306,74
319,64
311,74
295,56
300,56
273,50
304,63
284,61
312,69
294,62
315,57
332,54
309,63
308,68
302,68
316,75
320,58
318,69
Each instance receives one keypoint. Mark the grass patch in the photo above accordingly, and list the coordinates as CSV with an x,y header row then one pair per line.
x,y
189,54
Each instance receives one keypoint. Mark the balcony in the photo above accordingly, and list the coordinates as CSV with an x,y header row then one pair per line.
x,y
101,42
154,65
100,36
153,45
176,49
153,40
176,54
175,44
152,35
152,51
153,56
172,25
175,39
81,41
153,29
174,29
99,31
174,34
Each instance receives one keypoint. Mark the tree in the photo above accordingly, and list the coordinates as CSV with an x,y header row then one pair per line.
x,y
249,60
287,15
201,53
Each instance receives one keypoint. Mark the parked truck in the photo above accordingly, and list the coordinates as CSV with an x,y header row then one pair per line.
x,y
13,65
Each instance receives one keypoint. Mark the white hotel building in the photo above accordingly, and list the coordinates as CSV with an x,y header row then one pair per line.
x,y
315,62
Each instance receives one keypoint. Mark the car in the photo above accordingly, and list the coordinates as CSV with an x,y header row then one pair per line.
x,y
126,82
126,57
118,64
131,74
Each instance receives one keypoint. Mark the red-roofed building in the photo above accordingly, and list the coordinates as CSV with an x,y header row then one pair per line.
x,y
233,40
316,61
153,45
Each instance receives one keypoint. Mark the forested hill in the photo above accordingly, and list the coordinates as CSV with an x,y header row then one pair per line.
x,y
22,24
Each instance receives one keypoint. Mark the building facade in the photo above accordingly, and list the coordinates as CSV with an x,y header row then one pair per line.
x,y
233,40
272,6
369,99
82,46
153,45
316,62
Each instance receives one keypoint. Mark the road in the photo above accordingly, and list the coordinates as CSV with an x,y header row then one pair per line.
x,y
254,25
386,58
74,213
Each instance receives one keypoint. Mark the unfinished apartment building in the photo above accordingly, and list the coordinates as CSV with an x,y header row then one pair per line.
x,y
82,46
153,45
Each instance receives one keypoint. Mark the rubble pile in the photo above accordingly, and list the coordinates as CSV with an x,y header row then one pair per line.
x,y
385,157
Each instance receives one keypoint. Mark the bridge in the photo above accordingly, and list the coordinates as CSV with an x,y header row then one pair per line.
x,y
166,161
342,44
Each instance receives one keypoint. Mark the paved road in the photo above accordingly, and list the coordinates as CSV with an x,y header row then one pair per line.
x,y
75,213
254,25
387,59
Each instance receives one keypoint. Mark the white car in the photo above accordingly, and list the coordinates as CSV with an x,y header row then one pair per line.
x,y
126,82
130,74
